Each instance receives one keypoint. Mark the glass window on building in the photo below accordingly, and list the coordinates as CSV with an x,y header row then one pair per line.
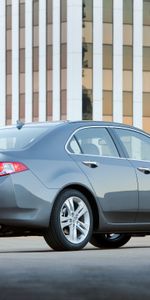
x,y
107,80
49,63
108,11
22,83
107,57
107,103
22,60
128,61
36,36
36,59
49,80
127,104
146,104
8,2
63,33
87,32
87,104
63,105
35,12
8,109
146,65
87,59
49,8
63,11
146,36
49,57
35,49
146,12
128,34
8,62
35,106
63,59
9,39
128,11
127,58
87,55
88,10
146,59
49,105
87,79
22,106
146,82
8,17
22,15
107,60
107,33
9,84
128,81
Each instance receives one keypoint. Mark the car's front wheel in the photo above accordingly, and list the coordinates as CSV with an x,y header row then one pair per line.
x,y
71,222
111,240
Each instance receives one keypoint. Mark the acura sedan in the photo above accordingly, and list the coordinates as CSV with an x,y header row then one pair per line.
x,y
74,183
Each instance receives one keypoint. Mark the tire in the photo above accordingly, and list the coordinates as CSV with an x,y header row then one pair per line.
x,y
71,222
109,241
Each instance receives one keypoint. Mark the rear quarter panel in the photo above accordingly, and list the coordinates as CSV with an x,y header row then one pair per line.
x,y
50,162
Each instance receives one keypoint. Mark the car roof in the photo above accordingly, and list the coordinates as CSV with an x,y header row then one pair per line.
x,y
99,123
76,124
103,123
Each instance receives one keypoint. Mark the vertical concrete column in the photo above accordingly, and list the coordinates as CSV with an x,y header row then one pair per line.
x,y
137,62
3,63
97,59
28,61
56,60
15,61
74,60
42,60
117,59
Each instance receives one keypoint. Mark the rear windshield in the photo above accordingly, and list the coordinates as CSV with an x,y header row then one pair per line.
x,y
13,138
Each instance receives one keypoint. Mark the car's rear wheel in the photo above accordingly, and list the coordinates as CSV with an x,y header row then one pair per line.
x,y
111,240
71,222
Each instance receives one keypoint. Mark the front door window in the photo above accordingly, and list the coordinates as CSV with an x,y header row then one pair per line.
x,y
136,144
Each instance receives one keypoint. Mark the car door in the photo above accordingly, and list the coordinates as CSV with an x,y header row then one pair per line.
x,y
137,147
112,178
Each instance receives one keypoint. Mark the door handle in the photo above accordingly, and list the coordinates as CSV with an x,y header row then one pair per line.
x,y
90,164
144,170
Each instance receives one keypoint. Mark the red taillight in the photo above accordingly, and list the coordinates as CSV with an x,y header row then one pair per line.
x,y
7,168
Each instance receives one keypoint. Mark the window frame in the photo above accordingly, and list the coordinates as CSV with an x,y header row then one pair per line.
x,y
95,155
122,145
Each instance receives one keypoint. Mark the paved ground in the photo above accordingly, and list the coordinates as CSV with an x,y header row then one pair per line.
x,y
30,270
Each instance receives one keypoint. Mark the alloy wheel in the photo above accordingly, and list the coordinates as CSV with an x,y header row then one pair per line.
x,y
75,220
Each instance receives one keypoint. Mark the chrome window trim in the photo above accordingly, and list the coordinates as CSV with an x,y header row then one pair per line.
x,y
137,131
132,129
106,127
95,155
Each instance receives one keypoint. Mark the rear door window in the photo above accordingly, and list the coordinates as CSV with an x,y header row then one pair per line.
x,y
93,141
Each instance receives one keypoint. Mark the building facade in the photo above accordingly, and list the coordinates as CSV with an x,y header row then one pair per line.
x,y
75,59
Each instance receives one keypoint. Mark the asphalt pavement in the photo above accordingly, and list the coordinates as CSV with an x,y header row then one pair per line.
x,y
29,269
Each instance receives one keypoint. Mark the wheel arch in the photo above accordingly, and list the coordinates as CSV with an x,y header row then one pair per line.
x,y
91,199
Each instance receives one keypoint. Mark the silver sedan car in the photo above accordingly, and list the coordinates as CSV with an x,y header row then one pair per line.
x,y
74,183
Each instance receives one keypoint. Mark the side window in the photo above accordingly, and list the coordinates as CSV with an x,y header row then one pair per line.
x,y
73,146
136,144
95,141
